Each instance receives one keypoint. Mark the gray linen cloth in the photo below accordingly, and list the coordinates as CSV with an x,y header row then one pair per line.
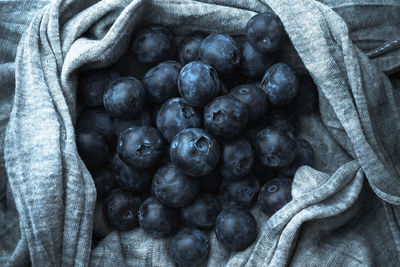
x,y
345,210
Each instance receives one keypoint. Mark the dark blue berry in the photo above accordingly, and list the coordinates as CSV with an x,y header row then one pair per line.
x,y
157,220
174,188
202,212
93,148
254,63
242,193
189,247
141,119
225,117
254,98
275,148
97,119
129,178
275,194
189,48
176,115
265,32
198,83
120,208
124,97
237,159
93,83
140,146
304,156
104,180
161,81
236,229
154,44
220,51
280,84
194,152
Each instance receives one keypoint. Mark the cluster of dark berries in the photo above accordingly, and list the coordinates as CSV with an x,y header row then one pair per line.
x,y
214,117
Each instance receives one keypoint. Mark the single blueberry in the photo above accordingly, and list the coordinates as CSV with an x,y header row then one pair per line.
x,y
275,148
198,83
306,100
129,178
176,115
275,194
104,180
157,220
237,158
188,49
235,229
242,193
141,119
280,84
254,98
93,147
97,119
253,63
265,32
225,117
304,156
140,146
194,152
202,212
161,81
153,44
120,208
174,188
93,83
220,51
189,247
124,97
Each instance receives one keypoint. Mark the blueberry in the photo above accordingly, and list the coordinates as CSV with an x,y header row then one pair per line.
x,y
225,117
280,84
220,51
174,188
253,63
237,159
189,247
280,121
202,212
97,119
275,148
120,208
93,83
104,180
275,194
194,152
211,183
140,146
265,32
306,100
141,119
93,147
161,81
235,229
153,44
129,178
242,193
198,83
254,98
124,97
304,156
189,48
176,115
157,220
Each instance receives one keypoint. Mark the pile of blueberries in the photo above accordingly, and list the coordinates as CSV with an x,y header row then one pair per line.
x,y
191,145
